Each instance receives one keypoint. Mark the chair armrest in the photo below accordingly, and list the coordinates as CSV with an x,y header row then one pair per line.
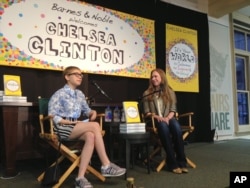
x,y
185,114
47,118
100,117
42,120
150,116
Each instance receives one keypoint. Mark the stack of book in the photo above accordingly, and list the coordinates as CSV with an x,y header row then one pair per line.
x,y
9,98
132,128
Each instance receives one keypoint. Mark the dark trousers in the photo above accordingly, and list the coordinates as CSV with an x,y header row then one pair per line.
x,y
173,144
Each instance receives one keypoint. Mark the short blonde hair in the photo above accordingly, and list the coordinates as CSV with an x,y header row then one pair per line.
x,y
69,70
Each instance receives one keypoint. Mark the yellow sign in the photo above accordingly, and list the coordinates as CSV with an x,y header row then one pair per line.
x,y
182,58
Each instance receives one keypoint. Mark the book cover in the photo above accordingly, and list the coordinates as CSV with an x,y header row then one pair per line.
x,y
131,112
12,85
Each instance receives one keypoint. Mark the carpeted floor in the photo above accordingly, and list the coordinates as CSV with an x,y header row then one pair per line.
x,y
214,163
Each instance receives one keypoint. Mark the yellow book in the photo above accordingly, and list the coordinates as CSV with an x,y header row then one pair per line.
x,y
131,112
12,85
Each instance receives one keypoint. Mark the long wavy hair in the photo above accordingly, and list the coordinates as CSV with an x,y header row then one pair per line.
x,y
165,88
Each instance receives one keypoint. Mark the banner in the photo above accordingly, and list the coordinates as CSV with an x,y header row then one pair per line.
x,y
222,105
54,34
182,58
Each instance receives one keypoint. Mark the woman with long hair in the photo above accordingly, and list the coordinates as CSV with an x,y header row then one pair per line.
x,y
162,104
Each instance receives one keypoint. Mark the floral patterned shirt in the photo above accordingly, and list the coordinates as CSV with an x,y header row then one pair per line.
x,y
68,103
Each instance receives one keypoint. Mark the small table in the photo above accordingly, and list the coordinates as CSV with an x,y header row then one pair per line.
x,y
132,139
17,134
111,129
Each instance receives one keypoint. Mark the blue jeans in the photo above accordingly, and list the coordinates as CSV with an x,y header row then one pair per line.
x,y
172,142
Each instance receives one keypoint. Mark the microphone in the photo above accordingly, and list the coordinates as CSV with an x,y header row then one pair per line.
x,y
156,91
142,97
100,90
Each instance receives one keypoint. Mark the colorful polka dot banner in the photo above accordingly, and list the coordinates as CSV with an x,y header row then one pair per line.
x,y
54,34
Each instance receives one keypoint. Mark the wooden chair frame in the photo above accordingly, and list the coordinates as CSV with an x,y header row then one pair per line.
x,y
186,129
66,153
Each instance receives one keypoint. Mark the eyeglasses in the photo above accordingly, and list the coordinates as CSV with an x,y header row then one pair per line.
x,y
76,74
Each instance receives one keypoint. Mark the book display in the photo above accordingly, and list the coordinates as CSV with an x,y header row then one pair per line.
x,y
5,98
132,128
133,122
12,89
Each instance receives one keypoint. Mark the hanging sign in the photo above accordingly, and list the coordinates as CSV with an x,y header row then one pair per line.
x,y
54,34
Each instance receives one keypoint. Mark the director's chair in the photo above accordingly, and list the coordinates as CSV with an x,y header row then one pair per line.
x,y
186,130
70,153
